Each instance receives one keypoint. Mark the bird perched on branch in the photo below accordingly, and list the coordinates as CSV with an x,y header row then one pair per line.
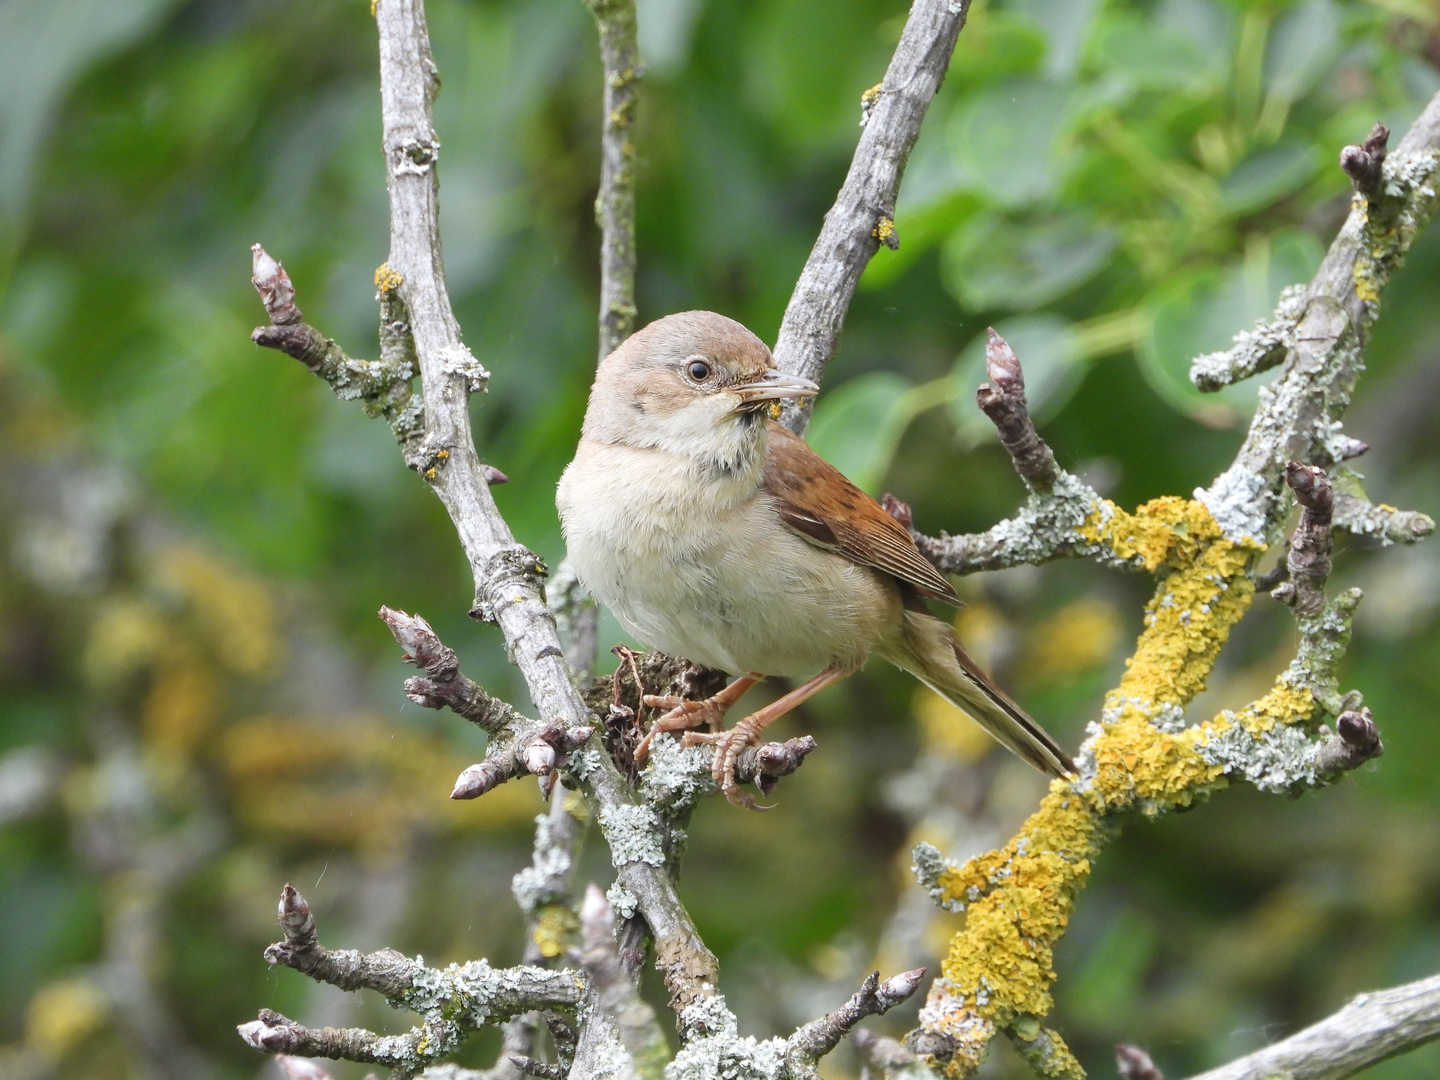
x,y
715,534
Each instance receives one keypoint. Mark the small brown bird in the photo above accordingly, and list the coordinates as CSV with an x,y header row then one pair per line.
x,y
715,534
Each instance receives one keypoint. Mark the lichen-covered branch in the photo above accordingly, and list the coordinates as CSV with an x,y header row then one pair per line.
x,y
621,1017
714,1047
1371,1028
1062,518
1356,514
454,1002
507,576
1142,756
615,204
817,1038
406,983
383,387
863,216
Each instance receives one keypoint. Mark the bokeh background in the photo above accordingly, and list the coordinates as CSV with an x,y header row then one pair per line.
x,y
198,704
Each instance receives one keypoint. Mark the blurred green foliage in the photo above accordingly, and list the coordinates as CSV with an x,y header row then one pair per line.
x,y
1116,185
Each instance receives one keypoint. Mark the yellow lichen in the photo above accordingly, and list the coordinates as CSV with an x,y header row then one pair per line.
x,y
1364,285
1165,529
1003,956
555,925
1018,899
386,279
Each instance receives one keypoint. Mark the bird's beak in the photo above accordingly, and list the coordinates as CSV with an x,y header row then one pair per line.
x,y
774,385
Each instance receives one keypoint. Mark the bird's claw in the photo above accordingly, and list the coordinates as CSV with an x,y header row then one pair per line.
x,y
728,745
683,715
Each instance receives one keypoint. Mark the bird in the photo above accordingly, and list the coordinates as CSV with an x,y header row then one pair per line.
x,y
715,534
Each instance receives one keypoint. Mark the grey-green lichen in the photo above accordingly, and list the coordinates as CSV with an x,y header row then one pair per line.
x,y
1255,350
927,864
457,360
622,901
676,777
634,834
543,881
715,1050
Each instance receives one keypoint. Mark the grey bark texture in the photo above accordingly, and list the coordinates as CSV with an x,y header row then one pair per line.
x,y
863,216
1371,1028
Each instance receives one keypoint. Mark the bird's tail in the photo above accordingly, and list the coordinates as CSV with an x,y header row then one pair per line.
x,y
928,650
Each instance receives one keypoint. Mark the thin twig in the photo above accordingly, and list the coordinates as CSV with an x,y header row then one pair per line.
x,y
1309,559
615,204
1132,1063
863,216
1002,399
1371,1028
817,1038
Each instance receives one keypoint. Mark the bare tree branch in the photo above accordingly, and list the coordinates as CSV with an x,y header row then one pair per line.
x,y
1309,559
507,576
1371,1028
443,683
863,216
817,1038
615,204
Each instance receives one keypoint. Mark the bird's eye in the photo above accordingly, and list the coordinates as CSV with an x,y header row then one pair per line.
x,y
698,370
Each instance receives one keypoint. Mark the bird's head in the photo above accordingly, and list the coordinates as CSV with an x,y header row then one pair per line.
x,y
695,383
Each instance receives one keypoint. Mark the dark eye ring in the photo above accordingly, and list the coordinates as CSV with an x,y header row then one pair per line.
x,y
698,370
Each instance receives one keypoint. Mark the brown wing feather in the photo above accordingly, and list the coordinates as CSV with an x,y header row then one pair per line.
x,y
816,500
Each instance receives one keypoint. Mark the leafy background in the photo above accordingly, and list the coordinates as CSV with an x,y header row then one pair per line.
x,y
197,703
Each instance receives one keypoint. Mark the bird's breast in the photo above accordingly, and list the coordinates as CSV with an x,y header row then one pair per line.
x,y
699,564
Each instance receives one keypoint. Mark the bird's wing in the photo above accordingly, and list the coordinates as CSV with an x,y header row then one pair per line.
x,y
816,500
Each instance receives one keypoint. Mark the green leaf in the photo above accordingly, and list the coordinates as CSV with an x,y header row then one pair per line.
x,y
1268,175
995,263
1302,45
1065,27
43,48
1006,140
1200,311
858,425
1153,56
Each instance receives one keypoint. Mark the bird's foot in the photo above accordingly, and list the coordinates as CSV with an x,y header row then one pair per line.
x,y
728,745
686,715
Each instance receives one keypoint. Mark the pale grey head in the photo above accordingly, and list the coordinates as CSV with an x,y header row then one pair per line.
x,y
693,383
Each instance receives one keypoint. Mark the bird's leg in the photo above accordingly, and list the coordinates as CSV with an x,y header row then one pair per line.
x,y
684,715
747,732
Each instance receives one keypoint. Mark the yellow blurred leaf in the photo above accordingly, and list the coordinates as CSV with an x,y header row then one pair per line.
x,y
362,781
1078,637
180,708
125,637
947,730
64,1014
234,610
